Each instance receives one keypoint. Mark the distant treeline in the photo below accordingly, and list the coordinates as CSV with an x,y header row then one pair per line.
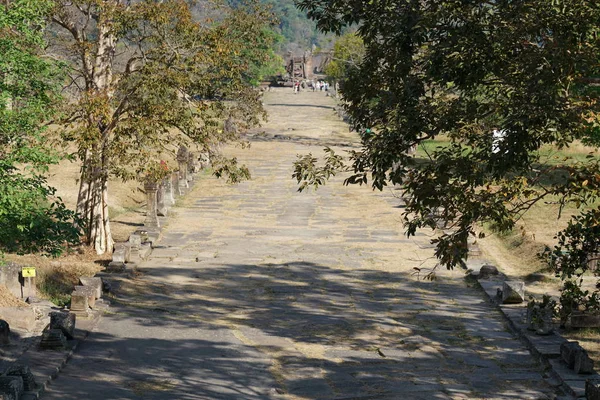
x,y
298,31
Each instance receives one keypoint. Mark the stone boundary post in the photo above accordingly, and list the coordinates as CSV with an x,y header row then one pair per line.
x,y
175,185
167,183
182,160
161,204
191,166
152,206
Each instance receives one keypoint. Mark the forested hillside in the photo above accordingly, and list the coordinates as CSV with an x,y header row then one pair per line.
x,y
298,31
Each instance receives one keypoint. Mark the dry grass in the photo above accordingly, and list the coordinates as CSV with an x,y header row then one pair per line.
x,y
127,201
577,151
589,339
56,277
7,299
516,253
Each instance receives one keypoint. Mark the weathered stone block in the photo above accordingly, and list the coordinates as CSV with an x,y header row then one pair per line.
x,y
145,250
204,160
192,166
486,271
119,255
576,358
592,389
135,253
11,387
25,373
10,277
53,339
121,252
229,126
4,333
175,184
115,267
585,320
90,292
182,159
167,183
593,261
538,277
182,184
106,286
19,317
583,363
161,200
153,236
151,220
568,351
63,321
79,301
94,282
513,292
135,240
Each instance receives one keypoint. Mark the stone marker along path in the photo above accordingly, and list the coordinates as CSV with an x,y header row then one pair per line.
x,y
258,292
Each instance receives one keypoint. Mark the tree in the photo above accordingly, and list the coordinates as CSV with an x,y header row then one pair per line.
x,y
348,52
271,63
146,77
464,69
31,219
298,32
260,57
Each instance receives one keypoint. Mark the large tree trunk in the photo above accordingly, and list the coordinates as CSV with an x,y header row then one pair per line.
x,y
100,234
92,203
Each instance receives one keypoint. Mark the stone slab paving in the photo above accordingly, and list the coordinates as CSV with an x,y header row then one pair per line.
x,y
257,292
545,347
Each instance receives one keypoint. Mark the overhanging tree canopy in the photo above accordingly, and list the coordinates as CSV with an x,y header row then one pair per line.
x,y
465,69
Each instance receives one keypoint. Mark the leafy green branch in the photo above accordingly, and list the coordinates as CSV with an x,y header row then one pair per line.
x,y
308,173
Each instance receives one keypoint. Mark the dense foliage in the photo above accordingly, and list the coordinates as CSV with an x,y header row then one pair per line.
x,y
464,69
348,52
260,56
31,218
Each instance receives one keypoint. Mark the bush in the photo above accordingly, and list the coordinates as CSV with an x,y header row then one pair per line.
x,y
29,222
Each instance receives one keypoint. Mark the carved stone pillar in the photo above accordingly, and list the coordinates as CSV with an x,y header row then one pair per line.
x,y
161,204
167,183
182,160
175,183
151,208
191,166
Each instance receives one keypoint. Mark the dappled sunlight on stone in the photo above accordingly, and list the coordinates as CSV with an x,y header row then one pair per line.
x,y
258,292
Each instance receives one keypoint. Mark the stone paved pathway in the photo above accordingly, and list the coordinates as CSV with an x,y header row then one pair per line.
x,y
257,292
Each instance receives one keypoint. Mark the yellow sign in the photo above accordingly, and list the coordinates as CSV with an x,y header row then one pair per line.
x,y
28,272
